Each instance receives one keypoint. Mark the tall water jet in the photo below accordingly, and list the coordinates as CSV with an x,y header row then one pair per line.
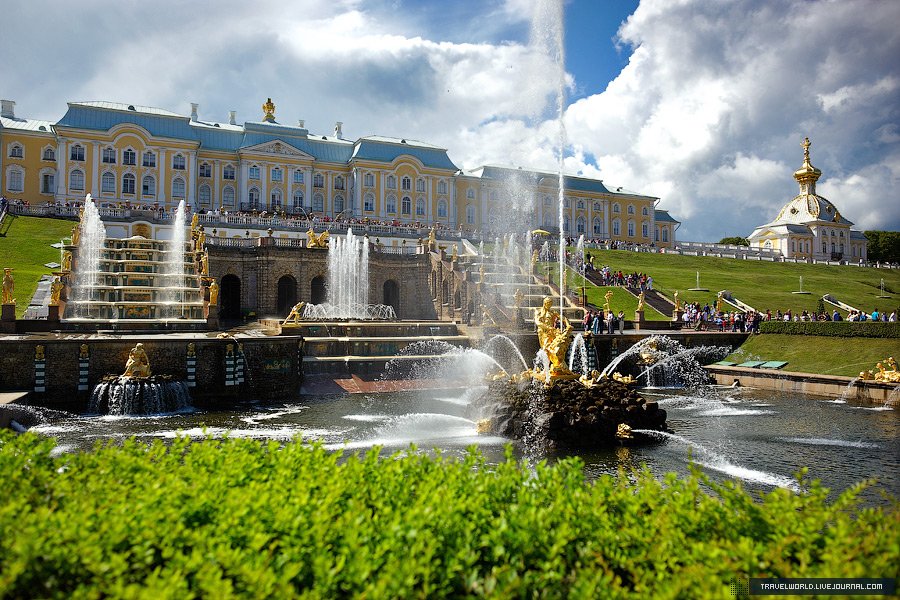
x,y
348,276
91,239
174,265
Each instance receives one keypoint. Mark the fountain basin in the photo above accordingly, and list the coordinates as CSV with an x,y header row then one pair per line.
x,y
121,395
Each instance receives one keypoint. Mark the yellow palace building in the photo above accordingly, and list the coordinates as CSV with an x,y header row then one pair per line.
x,y
128,155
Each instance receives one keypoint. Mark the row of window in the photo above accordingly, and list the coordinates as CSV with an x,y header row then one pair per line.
x,y
18,151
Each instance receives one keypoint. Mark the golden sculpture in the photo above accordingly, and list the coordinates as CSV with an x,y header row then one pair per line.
x,y
195,220
138,364
720,302
56,288
677,303
316,240
191,350
295,315
201,240
432,240
67,261
76,234
481,274
269,111
608,295
204,264
534,257
518,297
83,351
553,341
38,353
641,301
884,375
8,287
213,293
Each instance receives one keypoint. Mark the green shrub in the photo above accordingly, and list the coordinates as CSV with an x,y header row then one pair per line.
x,y
868,329
241,518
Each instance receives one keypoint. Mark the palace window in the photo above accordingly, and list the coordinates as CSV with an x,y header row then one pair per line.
x,y
645,229
298,176
579,225
16,151
318,180
406,205
617,227
420,185
148,186
420,207
108,183
616,208
76,179
109,156
148,159
205,195
338,204
442,208
178,187
128,184
298,200
630,228
228,173
275,199
470,194
228,196
645,211
318,203
391,182
205,170
630,209
76,152
48,183
665,234
276,174
598,226
406,184
178,162
597,207
129,157
470,214
253,172
442,187
338,183
369,202
15,180
391,205
580,205
49,154
369,180
253,199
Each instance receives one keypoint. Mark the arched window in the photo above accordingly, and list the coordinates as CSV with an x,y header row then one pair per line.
x,y
298,200
442,208
276,174
49,154
178,187
205,195
148,159
391,182
645,229
228,196
129,157
205,170
253,199
470,214
630,228
369,202
406,205
391,204
338,204
420,207
76,152
579,225
630,209
470,194
287,295
76,180
48,181
298,176
318,203
645,211
420,185
178,162
275,199
108,183
442,187
16,151
598,226
148,186
318,180
128,184
338,183
617,227
15,181
406,184
369,180
109,156
616,208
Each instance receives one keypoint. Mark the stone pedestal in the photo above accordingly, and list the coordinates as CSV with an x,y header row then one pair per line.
x,y
53,313
212,317
677,314
8,318
638,319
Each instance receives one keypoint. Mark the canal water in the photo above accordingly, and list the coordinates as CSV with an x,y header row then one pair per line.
x,y
759,438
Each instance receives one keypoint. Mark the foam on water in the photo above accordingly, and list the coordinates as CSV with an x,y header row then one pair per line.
x,y
829,442
367,418
727,411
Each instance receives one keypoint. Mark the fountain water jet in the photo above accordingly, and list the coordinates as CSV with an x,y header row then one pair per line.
x,y
91,238
174,265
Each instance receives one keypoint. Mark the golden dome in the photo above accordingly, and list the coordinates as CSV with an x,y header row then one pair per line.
x,y
807,173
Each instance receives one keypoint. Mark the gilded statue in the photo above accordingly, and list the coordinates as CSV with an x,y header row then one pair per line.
x,y
39,353
641,301
201,240
67,261
213,293
204,263
56,288
8,287
481,274
76,234
191,350
195,220
888,374
138,364
268,110
83,351
295,315
608,295
720,302
454,255
677,303
315,240
432,239
553,341
534,257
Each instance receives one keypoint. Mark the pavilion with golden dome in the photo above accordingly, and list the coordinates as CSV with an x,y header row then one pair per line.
x,y
810,226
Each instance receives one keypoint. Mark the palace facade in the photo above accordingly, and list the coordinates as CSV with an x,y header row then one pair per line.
x,y
127,155
809,226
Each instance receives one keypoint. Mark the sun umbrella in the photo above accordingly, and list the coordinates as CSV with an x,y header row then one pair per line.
x,y
541,232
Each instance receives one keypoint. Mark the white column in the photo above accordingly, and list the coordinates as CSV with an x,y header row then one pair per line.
x,y
382,211
62,150
95,173
192,180
307,200
429,213
161,187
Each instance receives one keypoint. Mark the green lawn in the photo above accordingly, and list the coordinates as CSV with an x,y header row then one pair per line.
x,y
25,246
763,285
817,354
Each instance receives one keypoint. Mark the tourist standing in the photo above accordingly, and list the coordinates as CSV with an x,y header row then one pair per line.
x,y
621,321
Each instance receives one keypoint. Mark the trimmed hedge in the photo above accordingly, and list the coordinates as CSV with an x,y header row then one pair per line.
x,y
869,329
241,518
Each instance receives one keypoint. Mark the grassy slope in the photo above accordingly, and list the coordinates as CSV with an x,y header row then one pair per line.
x,y
811,354
25,246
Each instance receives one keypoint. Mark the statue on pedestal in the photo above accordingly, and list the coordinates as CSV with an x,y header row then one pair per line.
x,y
316,240
213,293
8,287
138,364
606,308
640,305
56,288
553,341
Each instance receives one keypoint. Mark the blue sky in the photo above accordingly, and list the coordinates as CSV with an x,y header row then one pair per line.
x,y
702,104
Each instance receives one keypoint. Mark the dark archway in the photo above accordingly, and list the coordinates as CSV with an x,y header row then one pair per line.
x,y
230,298
392,295
287,295
317,290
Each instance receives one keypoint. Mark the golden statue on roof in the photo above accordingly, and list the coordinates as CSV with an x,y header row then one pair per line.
x,y
269,111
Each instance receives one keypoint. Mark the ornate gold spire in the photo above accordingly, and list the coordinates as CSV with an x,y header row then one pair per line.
x,y
807,175
269,111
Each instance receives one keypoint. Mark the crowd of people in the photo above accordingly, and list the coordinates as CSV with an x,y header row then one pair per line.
x,y
707,318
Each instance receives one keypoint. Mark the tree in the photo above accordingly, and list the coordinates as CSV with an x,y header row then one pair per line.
x,y
884,246
735,241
